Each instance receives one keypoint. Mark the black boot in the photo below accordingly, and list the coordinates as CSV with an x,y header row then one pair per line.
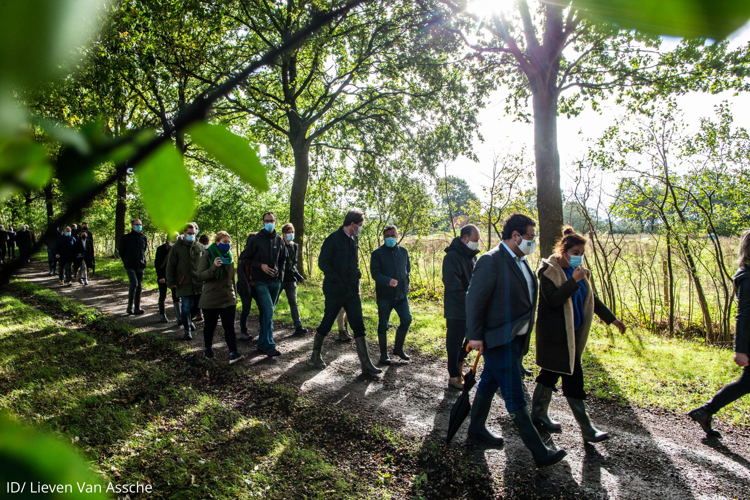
x,y
316,360
398,345
383,344
130,303
364,357
543,455
590,433
705,418
478,431
539,405
137,303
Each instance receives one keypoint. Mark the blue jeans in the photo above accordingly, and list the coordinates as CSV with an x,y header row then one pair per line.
x,y
501,371
384,313
266,295
188,304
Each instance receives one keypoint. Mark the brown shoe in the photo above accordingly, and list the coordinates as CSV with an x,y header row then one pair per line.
x,y
456,383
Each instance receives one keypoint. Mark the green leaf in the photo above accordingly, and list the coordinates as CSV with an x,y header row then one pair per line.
x,y
166,189
715,19
28,455
23,165
232,151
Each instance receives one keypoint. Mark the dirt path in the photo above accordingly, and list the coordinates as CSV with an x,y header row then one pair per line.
x,y
652,454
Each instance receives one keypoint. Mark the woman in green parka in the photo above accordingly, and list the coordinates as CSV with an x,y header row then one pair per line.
x,y
218,298
567,305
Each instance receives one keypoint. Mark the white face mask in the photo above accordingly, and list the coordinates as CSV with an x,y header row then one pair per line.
x,y
527,247
473,245
358,230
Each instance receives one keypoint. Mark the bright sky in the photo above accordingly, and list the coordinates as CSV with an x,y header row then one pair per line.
x,y
501,133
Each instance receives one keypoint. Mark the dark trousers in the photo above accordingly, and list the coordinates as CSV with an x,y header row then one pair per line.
x,y
211,318
246,295
290,289
51,260
501,372
12,250
731,392
351,303
385,307
572,385
66,271
163,297
135,279
454,345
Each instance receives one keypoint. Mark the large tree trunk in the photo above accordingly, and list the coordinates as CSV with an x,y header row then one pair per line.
x,y
549,196
48,203
121,207
301,150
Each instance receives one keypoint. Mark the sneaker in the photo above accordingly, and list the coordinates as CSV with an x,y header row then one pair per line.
x,y
208,355
244,336
85,282
299,332
234,357
80,280
192,327
344,336
68,283
139,311
273,353
456,383
61,282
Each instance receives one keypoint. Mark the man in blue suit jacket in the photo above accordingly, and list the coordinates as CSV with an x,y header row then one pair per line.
x,y
500,306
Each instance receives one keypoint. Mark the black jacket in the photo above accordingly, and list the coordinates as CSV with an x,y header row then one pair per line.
x,y
339,262
387,264
65,248
24,240
742,288
269,249
3,240
498,303
133,250
11,238
291,273
458,266
84,250
160,260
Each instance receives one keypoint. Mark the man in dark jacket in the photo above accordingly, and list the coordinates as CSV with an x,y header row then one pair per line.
x,y
500,307
292,276
340,264
65,254
182,276
458,266
84,257
160,265
390,268
132,250
11,242
267,254
25,240
245,290
3,243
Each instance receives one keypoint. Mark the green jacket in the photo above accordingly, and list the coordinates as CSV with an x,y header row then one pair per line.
x,y
217,293
182,268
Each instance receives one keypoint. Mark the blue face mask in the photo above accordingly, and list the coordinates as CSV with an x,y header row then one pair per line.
x,y
189,237
67,233
224,247
391,242
290,236
138,228
269,226
575,260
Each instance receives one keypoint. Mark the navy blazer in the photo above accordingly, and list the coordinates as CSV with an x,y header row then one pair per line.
x,y
498,303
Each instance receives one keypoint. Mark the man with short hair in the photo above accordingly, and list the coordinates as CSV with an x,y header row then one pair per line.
x,y
266,253
160,264
500,310
25,240
132,249
84,257
458,266
292,276
390,268
339,262
65,254
11,242
182,276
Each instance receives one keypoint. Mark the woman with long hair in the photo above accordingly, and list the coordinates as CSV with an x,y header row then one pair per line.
x,y
741,386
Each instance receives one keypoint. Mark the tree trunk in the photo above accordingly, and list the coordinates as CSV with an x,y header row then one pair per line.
x,y
121,206
549,196
301,150
48,203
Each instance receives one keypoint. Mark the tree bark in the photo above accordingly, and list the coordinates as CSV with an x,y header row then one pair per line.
x,y
301,150
121,206
48,203
549,196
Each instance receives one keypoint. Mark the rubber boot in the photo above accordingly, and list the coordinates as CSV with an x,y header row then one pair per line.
x,y
383,344
398,345
316,360
186,328
590,433
705,418
542,454
478,431
364,357
539,405
130,303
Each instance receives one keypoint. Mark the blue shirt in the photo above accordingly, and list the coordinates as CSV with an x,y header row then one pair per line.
x,y
578,298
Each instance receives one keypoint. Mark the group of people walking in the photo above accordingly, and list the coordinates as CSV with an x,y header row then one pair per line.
x,y
492,304
70,254
23,240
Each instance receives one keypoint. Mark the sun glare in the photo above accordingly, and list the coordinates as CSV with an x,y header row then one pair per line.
x,y
486,9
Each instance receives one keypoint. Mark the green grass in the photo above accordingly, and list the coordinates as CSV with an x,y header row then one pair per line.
x,y
643,368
